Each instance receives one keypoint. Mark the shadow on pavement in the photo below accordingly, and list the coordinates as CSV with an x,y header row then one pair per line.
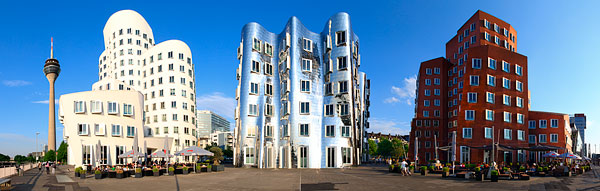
x,y
320,186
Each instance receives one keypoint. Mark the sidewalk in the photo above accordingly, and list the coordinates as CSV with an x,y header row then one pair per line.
x,y
38,180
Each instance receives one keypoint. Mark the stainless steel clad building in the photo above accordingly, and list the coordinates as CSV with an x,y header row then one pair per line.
x,y
302,103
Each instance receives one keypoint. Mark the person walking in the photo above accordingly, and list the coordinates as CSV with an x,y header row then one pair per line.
x,y
47,168
403,167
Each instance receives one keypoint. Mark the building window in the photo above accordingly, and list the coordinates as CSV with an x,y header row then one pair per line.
x,y
304,108
330,131
346,155
543,123
505,66
307,45
427,82
473,39
268,49
340,38
254,88
469,115
344,109
343,86
306,65
489,115
506,83
96,106
532,124
491,80
489,97
426,103
269,89
329,110
532,139
507,117
428,92
116,130
304,130
82,129
342,63
465,154
79,107
251,131
255,66
113,108
518,70
256,44
472,97
249,155
554,138
345,131
130,131
491,63
268,110
519,102
508,134
303,157
542,138
127,109
467,133
520,135
86,154
519,86
554,123
520,118
488,133
305,86
506,99
252,109
474,80
425,113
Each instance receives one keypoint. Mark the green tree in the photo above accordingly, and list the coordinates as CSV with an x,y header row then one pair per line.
x,y
384,148
62,152
372,148
228,152
4,157
50,156
218,155
20,159
397,148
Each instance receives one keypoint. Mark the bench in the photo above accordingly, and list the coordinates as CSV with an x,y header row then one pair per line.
x,y
523,177
5,184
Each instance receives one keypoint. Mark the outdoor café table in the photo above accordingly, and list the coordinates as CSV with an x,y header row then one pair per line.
x,y
112,174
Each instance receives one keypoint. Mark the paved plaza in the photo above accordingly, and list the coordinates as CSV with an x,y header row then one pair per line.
x,y
357,178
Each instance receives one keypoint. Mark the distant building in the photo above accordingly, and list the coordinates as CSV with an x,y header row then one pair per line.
x,y
377,137
209,122
579,121
222,139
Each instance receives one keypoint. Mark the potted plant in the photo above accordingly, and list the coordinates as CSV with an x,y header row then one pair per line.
x,y
82,174
430,168
216,158
155,171
171,171
445,172
540,171
397,168
411,169
199,167
138,173
77,171
522,169
391,169
98,174
424,170
120,174
505,170
494,176
185,170
478,175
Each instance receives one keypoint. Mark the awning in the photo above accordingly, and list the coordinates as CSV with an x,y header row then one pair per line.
x,y
543,148
498,147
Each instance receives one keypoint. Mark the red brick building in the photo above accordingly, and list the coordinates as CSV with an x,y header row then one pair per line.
x,y
546,128
479,91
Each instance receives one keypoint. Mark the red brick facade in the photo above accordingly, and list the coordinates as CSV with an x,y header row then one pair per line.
x,y
474,95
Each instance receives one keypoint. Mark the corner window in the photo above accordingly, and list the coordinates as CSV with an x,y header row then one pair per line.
x,y
491,63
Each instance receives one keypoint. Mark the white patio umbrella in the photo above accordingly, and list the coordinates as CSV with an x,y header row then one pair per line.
x,y
98,158
194,151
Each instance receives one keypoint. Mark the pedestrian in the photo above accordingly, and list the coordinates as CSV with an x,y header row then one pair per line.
x,y
403,167
47,168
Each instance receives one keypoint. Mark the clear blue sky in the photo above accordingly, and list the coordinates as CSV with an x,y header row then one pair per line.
x,y
560,39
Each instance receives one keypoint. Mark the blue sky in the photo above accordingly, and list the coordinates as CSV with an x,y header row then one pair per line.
x,y
560,39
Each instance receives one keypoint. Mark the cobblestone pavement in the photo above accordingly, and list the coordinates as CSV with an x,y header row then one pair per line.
x,y
357,178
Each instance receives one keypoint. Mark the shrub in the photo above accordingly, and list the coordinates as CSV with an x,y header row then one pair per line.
x,y
199,165
522,169
423,168
185,168
505,169
431,167
446,169
494,173
97,172
392,167
78,169
82,171
411,167
477,169
448,164
545,168
209,166
540,169
155,169
138,170
171,169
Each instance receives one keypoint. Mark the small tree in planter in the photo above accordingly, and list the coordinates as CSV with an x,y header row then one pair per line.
x,y
138,173
424,170
82,174
218,156
411,169
98,174
430,168
155,171
78,171
120,174
522,169
478,175
445,172
539,170
185,170
199,167
494,176
171,171
391,169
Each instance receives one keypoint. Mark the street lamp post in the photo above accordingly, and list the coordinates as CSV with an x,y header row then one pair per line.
x,y
36,146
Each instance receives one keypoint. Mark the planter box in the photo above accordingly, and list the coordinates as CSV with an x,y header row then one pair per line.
x,y
138,175
217,168
494,178
157,173
98,176
77,174
171,173
186,171
424,172
479,177
178,171
82,176
205,169
445,174
390,169
120,175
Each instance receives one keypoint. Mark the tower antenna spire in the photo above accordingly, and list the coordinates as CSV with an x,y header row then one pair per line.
x,y
51,47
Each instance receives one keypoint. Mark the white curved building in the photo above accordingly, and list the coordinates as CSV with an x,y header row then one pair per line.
x,y
163,73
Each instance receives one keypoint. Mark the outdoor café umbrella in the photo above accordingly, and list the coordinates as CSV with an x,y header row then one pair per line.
x,y
194,151
551,154
568,155
98,154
